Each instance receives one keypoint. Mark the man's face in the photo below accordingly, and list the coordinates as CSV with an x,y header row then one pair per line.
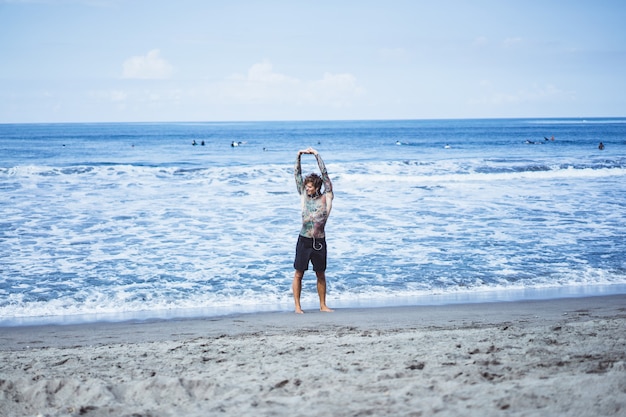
x,y
309,188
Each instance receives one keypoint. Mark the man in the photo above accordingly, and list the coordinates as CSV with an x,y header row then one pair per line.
x,y
311,245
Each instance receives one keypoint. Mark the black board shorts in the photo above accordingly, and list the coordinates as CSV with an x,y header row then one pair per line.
x,y
305,252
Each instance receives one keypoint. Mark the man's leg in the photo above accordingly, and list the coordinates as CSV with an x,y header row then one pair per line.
x,y
321,290
297,289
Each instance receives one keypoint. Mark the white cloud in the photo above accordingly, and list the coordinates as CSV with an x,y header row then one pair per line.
x,y
263,72
147,67
262,84
259,89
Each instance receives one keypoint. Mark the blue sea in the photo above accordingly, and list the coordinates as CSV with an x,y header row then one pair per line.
x,y
129,221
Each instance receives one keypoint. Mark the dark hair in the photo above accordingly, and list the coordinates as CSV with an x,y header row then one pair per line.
x,y
315,179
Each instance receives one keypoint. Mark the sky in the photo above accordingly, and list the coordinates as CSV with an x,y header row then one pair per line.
x,y
204,60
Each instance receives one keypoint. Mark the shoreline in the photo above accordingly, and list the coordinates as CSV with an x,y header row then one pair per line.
x,y
237,323
451,298
564,356
381,318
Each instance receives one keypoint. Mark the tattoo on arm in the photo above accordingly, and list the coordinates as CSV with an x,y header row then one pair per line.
x,y
328,186
298,175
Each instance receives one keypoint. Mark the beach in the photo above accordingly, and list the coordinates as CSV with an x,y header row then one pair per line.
x,y
526,358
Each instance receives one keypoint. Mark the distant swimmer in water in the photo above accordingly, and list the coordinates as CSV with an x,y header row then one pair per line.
x,y
601,146
194,142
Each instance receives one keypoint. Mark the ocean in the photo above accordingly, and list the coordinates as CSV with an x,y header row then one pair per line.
x,y
132,221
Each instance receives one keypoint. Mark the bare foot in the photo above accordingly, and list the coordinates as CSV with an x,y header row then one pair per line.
x,y
325,309
299,311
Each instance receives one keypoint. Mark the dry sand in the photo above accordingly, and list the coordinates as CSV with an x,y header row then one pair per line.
x,y
563,357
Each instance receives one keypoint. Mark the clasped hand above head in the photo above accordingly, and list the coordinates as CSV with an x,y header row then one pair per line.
x,y
309,150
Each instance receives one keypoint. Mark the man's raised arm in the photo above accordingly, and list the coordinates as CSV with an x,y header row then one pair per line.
x,y
297,170
328,186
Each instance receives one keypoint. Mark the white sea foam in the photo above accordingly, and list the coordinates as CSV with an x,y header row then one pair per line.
x,y
110,240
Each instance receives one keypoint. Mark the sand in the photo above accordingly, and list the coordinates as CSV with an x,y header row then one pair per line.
x,y
564,357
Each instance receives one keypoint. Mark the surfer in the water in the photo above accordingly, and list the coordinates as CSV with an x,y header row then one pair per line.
x,y
311,245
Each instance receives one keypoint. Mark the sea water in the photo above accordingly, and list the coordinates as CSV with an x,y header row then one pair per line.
x,y
134,221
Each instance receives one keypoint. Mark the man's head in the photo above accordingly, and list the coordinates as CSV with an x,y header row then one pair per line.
x,y
313,184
